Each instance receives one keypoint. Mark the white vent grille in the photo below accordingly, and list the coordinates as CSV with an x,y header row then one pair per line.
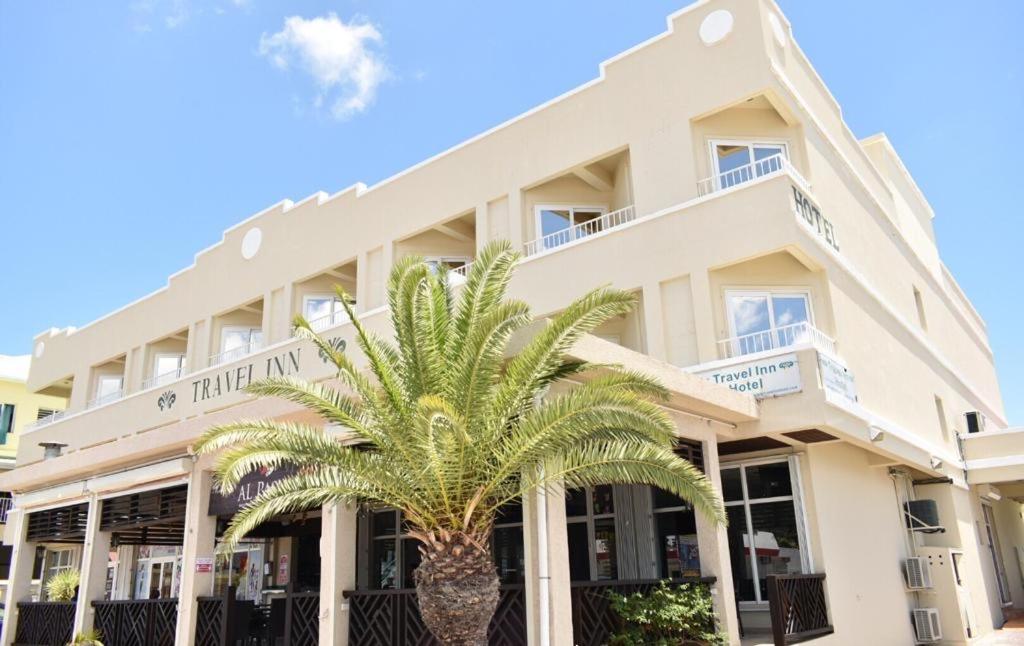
x,y
919,573
927,626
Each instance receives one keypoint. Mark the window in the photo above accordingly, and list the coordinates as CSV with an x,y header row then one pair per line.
x,y
452,263
919,303
393,555
590,515
765,320
735,162
43,413
6,421
237,341
760,502
57,561
108,388
675,533
323,311
559,225
167,368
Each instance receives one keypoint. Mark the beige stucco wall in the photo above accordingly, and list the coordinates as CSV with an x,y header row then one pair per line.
x,y
858,543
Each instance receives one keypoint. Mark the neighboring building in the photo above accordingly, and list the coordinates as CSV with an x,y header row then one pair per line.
x,y
19,408
826,371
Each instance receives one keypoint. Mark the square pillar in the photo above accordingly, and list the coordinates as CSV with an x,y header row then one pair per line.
x,y
337,571
200,536
654,322
19,581
704,316
556,552
95,556
714,552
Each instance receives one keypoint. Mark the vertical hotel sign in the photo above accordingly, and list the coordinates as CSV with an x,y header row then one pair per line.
x,y
809,213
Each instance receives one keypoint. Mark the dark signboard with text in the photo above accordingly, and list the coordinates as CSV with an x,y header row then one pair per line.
x,y
248,488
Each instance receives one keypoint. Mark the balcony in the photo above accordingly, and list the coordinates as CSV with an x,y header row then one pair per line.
x,y
766,167
164,378
233,354
581,231
779,338
104,399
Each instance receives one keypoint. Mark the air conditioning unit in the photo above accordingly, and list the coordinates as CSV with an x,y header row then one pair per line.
x,y
918,572
975,421
927,625
922,516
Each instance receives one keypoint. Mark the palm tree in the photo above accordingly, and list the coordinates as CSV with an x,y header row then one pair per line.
x,y
448,425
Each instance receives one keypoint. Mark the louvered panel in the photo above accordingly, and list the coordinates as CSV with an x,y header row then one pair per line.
x,y
59,525
155,517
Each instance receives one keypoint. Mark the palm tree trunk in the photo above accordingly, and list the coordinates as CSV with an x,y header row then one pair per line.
x,y
457,588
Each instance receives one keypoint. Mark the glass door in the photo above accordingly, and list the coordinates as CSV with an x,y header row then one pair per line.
x,y
995,551
766,528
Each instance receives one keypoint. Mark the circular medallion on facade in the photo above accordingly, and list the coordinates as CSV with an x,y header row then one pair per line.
x,y
716,26
777,29
251,242
40,348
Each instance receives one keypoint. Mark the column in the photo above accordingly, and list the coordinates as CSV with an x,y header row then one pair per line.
x,y
483,232
19,581
654,321
714,552
267,320
200,533
95,556
704,316
515,219
337,571
555,544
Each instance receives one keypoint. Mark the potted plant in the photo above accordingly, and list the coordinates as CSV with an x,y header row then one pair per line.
x,y
668,615
87,638
62,586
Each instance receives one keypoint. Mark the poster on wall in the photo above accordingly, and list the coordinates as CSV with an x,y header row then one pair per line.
x,y
837,378
768,377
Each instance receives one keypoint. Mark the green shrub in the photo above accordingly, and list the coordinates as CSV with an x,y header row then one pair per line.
x,y
668,615
87,638
62,586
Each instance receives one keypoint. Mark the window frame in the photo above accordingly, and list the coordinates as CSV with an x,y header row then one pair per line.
x,y
100,398
336,307
157,377
572,207
226,329
800,515
750,143
770,293
14,420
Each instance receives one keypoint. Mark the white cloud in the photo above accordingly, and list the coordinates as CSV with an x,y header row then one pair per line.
x,y
342,58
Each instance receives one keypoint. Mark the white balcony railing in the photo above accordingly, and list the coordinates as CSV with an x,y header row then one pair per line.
x,y
49,419
6,502
581,230
327,321
743,174
164,378
235,353
103,400
774,339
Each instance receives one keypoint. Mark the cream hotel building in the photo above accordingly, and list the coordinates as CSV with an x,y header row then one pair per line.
x,y
826,372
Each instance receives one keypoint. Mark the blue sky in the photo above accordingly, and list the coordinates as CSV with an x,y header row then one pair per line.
x,y
132,134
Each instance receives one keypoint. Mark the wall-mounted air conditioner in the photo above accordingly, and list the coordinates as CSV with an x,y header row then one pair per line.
x,y
927,625
975,421
918,572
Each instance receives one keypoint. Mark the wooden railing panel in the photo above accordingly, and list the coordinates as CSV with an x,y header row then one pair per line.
x,y
593,620
798,607
147,622
387,617
45,623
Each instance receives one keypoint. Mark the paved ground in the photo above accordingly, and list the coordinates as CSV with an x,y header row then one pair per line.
x,y
1012,634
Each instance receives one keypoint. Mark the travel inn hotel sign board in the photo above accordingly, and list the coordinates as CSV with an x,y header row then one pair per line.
x,y
767,377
